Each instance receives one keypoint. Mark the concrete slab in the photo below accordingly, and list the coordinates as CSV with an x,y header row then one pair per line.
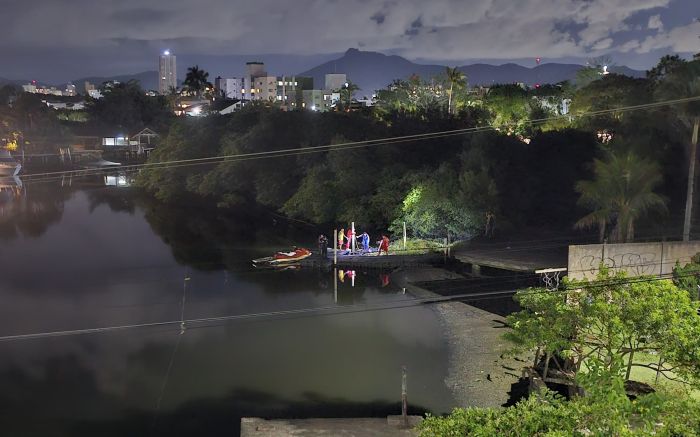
x,y
353,427
513,257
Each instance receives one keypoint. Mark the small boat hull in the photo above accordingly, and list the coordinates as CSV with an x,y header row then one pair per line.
x,y
10,169
283,258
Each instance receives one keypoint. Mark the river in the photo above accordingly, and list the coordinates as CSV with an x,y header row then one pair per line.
x,y
84,256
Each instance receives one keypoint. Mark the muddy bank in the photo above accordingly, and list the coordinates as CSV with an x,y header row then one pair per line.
x,y
479,374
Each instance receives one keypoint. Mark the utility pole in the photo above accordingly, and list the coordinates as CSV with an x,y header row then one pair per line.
x,y
404,397
691,180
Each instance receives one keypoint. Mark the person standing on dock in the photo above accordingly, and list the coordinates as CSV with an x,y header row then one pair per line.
x,y
384,245
365,242
341,238
349,235
323,246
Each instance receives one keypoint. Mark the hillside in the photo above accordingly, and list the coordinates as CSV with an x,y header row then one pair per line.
x,y
147,79
372,71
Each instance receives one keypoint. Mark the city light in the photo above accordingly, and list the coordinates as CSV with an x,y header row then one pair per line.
x,y
166,53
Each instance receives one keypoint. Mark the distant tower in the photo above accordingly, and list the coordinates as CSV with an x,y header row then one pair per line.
x,y
167,73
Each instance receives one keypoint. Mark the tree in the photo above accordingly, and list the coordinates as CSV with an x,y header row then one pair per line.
x,y
126,107
510,107
607,413
456,79
197,80
687,277
608,323
595,69
667,65
622,191
446,202
347,92
683,81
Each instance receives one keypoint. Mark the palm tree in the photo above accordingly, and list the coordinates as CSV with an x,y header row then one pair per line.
x,y
346,94
684,81
621,191
197,80
455,78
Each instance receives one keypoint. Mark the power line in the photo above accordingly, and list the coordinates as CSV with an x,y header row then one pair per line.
x,y
332,310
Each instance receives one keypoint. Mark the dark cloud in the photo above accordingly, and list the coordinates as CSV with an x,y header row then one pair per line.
x,y
378,18
51,35
142,15
415,27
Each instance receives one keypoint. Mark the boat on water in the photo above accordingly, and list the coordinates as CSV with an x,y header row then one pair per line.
x,y
99,163
284,258
9,166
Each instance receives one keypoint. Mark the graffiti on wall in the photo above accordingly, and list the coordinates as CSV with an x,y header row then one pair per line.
x,y
635,264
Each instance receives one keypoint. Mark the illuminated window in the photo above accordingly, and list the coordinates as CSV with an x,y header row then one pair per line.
x,y
280,83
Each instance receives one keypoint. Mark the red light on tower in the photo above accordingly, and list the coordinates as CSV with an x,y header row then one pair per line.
x,y
537,85
538,60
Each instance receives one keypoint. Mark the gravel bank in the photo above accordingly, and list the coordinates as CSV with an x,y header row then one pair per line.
x,y
479,374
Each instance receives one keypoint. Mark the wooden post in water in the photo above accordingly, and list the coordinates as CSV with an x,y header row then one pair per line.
x,y
352,242
335,285
404,397
335,247
404,236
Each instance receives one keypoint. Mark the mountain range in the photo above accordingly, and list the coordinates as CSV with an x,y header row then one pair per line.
x,y
372,71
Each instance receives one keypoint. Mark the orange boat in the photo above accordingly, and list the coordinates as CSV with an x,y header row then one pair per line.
x,y
297,254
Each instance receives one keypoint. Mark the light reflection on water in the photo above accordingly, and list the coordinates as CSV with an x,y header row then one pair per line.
x,y
76,258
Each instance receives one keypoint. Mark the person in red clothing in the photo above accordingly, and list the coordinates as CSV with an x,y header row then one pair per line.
x,y
349,235
384,245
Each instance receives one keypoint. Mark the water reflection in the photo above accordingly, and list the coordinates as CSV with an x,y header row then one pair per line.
x,y
107,257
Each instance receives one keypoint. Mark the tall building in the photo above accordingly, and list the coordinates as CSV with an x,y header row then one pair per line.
x,y
335,81
230,88
167,73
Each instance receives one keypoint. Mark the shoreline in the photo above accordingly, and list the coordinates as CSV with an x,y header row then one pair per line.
x,y
479,374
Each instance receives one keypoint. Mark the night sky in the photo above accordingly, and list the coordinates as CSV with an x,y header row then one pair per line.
x,y
55,40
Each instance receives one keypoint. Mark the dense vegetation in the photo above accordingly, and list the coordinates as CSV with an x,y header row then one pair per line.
x,y
598,335
535,168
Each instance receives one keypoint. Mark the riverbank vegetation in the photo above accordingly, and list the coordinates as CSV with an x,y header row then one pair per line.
x,y
532,167
591,336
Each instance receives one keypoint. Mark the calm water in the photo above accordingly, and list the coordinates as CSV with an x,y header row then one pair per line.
x,y
85,257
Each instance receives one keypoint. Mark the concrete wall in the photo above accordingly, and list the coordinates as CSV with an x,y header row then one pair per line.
x,y
636,259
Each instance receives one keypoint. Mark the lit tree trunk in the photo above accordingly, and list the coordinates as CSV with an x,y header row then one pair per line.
x,y
691,181
449,99
630,231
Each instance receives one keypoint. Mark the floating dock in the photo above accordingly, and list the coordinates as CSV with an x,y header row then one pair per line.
x,y
372,260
